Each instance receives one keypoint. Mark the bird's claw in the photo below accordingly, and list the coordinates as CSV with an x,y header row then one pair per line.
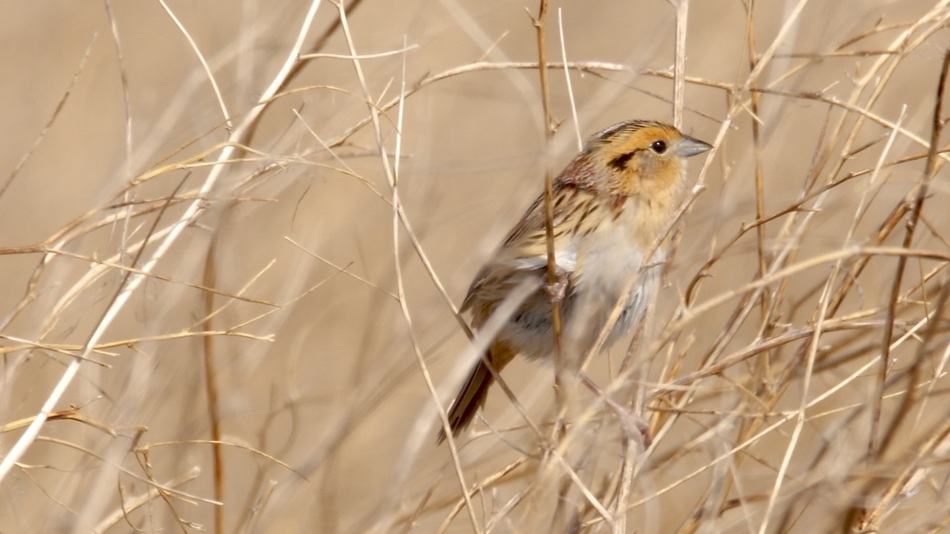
x,y
555,284
635,428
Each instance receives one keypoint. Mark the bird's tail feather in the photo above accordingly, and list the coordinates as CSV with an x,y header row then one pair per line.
x,y
475,391
469,400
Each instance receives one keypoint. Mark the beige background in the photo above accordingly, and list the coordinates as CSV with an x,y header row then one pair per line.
x,y
329,383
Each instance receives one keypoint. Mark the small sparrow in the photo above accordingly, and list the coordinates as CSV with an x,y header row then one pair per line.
x,y
610,204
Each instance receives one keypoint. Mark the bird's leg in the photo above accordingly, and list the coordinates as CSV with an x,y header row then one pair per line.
x,y
555,284
634,426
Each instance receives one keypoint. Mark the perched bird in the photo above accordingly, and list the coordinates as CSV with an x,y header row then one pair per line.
x,y
610,204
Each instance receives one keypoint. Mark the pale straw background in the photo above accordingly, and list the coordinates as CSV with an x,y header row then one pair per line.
x,y
272,271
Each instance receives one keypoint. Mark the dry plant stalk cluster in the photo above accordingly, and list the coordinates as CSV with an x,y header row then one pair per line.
x,y
243,321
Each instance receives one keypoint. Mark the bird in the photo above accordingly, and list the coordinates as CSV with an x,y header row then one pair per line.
x,y
610,204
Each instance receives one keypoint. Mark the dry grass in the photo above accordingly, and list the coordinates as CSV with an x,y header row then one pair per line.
x,y
230,273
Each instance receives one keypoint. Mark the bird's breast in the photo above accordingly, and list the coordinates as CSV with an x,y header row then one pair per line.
x,y
610,269
608,258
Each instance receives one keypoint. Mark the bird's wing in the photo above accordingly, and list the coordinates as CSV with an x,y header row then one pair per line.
x,y
524,251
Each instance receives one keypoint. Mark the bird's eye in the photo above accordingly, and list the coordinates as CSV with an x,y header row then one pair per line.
x,y
658,146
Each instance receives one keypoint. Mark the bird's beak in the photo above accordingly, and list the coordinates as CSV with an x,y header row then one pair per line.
x,y
691,147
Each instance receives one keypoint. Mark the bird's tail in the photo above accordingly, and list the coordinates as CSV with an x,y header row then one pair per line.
x,y
475,391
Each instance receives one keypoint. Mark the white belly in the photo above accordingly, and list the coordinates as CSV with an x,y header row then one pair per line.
x,y
605,271
609,271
